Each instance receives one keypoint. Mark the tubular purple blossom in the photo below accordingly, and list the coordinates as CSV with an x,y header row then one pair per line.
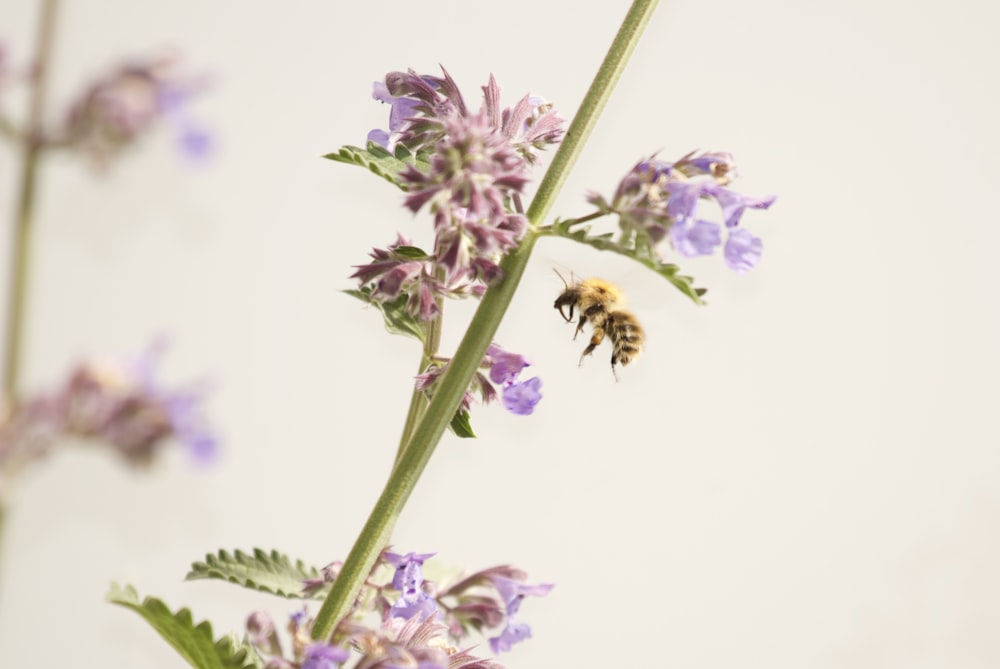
x,y
520,398
408,580
742,251
661,200
513,593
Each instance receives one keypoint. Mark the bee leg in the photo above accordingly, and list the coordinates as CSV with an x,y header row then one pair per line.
x,y
579,326
595,341
614,370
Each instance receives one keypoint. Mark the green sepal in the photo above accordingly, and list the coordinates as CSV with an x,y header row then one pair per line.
x,y
461,426
195,643
379,161
394,313
272,572
636,248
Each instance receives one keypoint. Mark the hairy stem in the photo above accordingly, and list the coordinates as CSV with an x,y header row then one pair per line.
x,y
20,249
378,529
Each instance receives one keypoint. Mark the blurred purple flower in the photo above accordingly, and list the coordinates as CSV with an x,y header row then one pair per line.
x,y
513,593
118,403
521,398
116,110
742,251
695,238
323,656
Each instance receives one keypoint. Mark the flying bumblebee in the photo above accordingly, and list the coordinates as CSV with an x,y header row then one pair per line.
x,y
600,303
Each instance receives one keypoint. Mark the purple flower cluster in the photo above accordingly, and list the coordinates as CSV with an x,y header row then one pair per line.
x,y
664,200
417,630
113,402
519,397
472,168
117,109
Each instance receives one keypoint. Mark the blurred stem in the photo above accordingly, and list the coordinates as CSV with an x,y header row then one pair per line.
x,y
453,383
31,148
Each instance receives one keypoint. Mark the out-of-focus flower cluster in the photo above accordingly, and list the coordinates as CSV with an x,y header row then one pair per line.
x,y
419,622
115,403
660,200
120,107
470,169
499,366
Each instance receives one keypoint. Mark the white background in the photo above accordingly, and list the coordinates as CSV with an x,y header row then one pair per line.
x,y
805,473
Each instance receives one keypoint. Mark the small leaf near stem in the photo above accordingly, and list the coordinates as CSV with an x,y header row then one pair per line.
x,y
378,529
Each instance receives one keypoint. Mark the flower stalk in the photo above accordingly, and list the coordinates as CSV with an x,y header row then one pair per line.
x,y
448,395
31,149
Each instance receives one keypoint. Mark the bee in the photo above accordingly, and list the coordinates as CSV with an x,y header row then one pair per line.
x,y
600,302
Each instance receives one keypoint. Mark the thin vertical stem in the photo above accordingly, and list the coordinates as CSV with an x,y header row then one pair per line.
x,y
31,149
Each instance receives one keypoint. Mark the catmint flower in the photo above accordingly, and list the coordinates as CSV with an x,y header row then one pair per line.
x,y
401,109
408,580
323,656
513,592
529,125
473,165
119,108
661,200
505,365
742,250
115,402
691,237
520,398
262,633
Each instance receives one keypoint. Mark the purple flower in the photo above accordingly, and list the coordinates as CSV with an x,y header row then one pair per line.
x,y
401,110
695,238
742,251
521,398
118,109
513,593
506,365
408,580
658,199
117,403
323,656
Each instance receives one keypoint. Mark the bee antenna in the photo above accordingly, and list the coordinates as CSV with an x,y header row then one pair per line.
x,y
565,284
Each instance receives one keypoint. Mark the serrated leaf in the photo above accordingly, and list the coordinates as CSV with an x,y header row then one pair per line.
x,y
461,425
194,642
394,314
643,254
272,572
378,161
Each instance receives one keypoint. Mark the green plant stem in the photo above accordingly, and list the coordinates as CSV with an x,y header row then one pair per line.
x,y
378,529
31,149
419,401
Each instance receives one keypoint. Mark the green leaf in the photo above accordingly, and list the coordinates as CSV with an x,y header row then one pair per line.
x,y
379,161
410,252
272,572
461,426
637,249
395,315
194,642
